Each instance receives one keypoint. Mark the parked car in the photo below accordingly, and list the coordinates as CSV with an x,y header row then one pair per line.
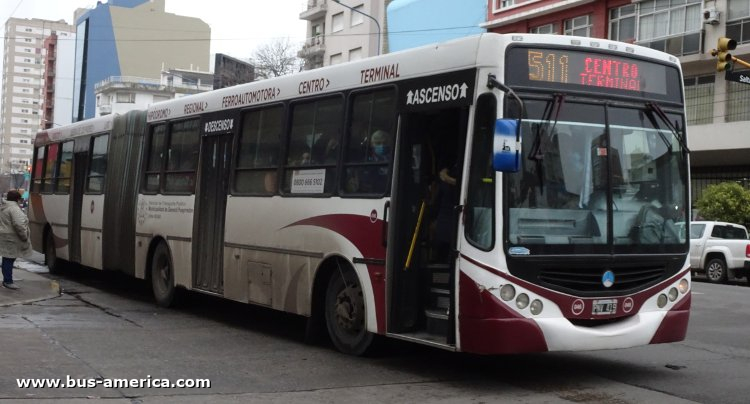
x,y
720,249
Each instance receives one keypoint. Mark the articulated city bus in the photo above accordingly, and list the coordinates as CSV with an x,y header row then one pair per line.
x,y
493,194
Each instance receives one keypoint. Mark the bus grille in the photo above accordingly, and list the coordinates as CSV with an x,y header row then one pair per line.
x,y
590,279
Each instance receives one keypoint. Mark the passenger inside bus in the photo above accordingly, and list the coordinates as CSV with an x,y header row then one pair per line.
x,y
371,178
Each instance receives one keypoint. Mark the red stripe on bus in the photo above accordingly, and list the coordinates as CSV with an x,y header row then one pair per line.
x,y
367,238
488,326
674,326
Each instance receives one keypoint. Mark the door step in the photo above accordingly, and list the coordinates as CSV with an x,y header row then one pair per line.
x,y
437,321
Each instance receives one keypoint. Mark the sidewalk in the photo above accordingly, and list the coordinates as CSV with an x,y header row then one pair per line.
x,y
32,286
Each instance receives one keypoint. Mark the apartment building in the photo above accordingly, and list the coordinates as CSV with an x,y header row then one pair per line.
x,y
23,92
341,31
718,111
120,94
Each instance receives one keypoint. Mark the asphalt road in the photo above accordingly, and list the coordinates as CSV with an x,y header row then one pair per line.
x,y
107,327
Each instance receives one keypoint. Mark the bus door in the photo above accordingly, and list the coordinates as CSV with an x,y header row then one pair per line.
x,y
210,202
425,220
77,182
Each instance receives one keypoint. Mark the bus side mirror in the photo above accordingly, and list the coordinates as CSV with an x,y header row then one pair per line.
x,y
507,146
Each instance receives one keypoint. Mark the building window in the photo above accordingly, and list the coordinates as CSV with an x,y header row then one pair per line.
x,y
357,17
578,26
699,99
674,29
355,54
544,29
337,22
622,23
504,3
126,98
738,101
335,59
738,20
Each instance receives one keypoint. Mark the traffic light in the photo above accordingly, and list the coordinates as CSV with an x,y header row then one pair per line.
x,y
722,53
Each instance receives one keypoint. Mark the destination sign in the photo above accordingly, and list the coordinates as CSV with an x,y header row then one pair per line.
x,y
590,71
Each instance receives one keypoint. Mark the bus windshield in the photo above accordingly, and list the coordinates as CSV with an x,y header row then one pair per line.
x,y
597,178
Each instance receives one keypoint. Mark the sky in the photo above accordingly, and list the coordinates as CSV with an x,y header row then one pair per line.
x,y
238,27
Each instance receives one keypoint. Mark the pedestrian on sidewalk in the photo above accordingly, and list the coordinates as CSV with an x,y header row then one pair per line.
x,y
14,235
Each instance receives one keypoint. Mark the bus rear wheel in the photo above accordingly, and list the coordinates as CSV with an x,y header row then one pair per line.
x,y
345,313
162,276
50,254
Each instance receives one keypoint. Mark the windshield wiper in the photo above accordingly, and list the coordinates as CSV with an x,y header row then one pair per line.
x,y
537,151
656,109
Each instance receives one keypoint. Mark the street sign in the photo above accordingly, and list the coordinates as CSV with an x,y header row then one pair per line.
x,y
743,77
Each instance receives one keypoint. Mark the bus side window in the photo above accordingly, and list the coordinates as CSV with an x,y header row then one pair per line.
x,y
182,157
38,173
97,165
369,143
66,168
313,147
154,159
257,157
50,168
480,199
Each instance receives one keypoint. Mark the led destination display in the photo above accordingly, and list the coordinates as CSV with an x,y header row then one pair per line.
x,y
590,71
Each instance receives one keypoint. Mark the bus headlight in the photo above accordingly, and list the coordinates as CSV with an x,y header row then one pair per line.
x,y
536,307
522,301
673,294
683,286
507,292
661,301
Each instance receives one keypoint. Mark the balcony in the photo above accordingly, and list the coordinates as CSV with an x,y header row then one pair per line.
x,y
315,9
315,46
105,109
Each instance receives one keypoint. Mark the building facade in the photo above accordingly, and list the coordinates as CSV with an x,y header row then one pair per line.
x,y
718,111
24,96
133,38
120,94
341,31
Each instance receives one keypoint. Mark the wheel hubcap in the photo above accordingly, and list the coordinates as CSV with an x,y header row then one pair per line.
x,y
350,309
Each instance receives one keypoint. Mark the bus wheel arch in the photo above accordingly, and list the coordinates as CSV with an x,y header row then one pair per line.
x,y
344,307
161,273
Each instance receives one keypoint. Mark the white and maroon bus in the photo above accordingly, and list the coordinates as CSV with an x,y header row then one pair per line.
x,y
493,194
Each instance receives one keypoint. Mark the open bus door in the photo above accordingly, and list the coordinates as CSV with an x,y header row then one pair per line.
x,y
424,224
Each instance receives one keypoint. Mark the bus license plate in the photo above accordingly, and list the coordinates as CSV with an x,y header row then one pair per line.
x,y
604,307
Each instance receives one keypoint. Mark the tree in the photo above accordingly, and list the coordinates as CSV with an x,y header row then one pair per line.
x,y
275,58
726,202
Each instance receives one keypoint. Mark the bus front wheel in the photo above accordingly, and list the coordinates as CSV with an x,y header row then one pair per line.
x,y
345,313
162,276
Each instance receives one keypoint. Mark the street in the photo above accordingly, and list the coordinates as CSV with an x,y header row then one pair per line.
x,y
106,326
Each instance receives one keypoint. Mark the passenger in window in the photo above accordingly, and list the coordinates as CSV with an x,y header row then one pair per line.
x,y
379,146
371,178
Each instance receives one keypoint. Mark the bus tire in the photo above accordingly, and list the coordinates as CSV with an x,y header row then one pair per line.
x,y
345,313
716,271
162,276
54,263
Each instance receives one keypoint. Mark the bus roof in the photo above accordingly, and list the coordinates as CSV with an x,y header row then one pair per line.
x,y
81,128
474,51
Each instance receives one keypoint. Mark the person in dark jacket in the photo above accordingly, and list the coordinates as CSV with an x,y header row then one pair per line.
x,y
14,236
